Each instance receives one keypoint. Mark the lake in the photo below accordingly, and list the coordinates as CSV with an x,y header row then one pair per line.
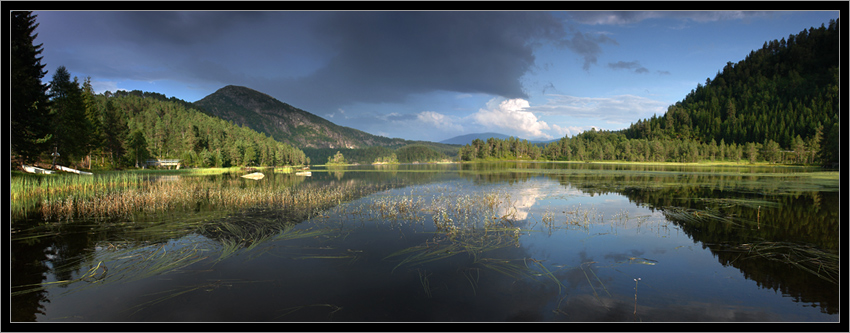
x,y
496,242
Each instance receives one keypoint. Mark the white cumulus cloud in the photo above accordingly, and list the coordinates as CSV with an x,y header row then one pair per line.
x,y
512,114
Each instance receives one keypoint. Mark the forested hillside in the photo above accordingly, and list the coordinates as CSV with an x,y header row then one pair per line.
x,y
285,123
779,104
169,129
127,128
785,90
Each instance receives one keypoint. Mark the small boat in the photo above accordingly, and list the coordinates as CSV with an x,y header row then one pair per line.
x,y
33,169
304,173
66,169
255,175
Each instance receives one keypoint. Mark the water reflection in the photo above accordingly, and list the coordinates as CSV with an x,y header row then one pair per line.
x,y
516,242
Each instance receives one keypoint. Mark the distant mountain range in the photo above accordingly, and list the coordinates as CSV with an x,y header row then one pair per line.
x,y
467,138
285,123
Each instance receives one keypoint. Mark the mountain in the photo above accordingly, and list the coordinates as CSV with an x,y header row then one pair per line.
x,y
285,123
467,138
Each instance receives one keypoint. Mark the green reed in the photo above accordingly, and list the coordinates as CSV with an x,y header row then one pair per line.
x,y
28,192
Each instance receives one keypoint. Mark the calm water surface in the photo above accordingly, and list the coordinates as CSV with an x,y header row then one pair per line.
x,y
491,242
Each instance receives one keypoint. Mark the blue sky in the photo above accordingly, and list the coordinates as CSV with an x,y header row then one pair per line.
x,y
428,75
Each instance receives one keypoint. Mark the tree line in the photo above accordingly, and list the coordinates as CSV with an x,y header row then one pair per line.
x,y
377,154
121,129
616,146
780,104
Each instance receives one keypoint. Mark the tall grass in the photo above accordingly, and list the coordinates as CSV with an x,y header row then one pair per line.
x,y
26,192
125,195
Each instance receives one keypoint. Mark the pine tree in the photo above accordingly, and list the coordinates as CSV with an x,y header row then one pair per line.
x,y
752,151
115,133
813,144
799,149
30,121
95,130
70,126
138,147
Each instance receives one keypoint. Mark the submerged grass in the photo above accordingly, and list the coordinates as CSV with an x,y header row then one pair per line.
x,y
696,216
730,202
165,295
823,264
595,294
124,263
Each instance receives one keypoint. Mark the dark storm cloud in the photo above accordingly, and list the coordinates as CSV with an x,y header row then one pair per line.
x,y
318,61
180,28
143,46
386,56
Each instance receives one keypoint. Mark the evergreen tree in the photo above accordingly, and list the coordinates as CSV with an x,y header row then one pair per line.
x,y
95,130
70,126
752,152
813,145
138,148
771,151
30,117
115,133
250,157
829,154
799,149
